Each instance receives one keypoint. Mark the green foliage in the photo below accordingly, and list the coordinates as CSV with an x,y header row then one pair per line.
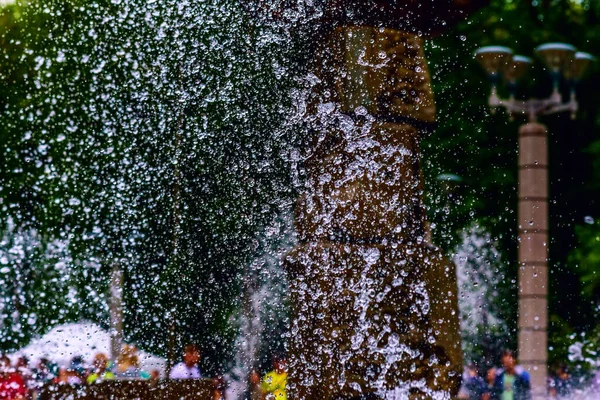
x,y
585,259
482,147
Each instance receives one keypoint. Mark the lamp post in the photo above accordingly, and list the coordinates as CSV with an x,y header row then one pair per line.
x,y
562,61
449,182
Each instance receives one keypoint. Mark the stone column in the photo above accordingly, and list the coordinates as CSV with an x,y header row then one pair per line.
x,y
374,306
533,254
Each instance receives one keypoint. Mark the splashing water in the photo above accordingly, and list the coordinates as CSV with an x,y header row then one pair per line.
x,y
175,133
478,262
265,305
166,132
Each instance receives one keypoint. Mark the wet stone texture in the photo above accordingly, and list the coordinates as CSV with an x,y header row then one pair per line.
x,y
372,318
374,305
364,185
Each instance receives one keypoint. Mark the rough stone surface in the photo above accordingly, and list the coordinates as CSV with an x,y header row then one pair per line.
x,y
382,70
371,318
364,186
374,305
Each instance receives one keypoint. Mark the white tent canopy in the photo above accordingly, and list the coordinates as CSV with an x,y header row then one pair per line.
x,y
83,339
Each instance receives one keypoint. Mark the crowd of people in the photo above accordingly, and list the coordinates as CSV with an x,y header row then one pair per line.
x,y
510,382
21,381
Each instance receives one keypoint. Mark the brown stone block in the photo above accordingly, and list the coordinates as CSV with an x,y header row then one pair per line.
x,y
533,313
533,150
533,280
365,187
533,215
533,183
356,307
382,70
533,247
533,347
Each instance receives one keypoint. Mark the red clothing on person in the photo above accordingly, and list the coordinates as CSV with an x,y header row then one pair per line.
x,y
12,387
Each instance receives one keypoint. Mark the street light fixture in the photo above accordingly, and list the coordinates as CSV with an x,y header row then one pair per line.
x,y
556,55
449,182
494,60
516,68
580,64
561,60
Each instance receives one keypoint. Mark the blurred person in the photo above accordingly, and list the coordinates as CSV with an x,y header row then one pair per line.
x,y
154,378
128,365
188,369
490,378
561,383
219,387
274,383
100,372
154,375
22,368
44,372
12,385
473,387
67,376
512,382
78,366
254,385
463,392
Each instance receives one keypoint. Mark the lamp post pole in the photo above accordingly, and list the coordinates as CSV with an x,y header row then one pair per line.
x,y
533,254
533,238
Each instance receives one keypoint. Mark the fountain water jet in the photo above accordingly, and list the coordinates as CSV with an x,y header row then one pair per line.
x,y
264,303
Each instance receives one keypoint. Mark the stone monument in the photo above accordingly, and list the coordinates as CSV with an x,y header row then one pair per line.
x,y
374,305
